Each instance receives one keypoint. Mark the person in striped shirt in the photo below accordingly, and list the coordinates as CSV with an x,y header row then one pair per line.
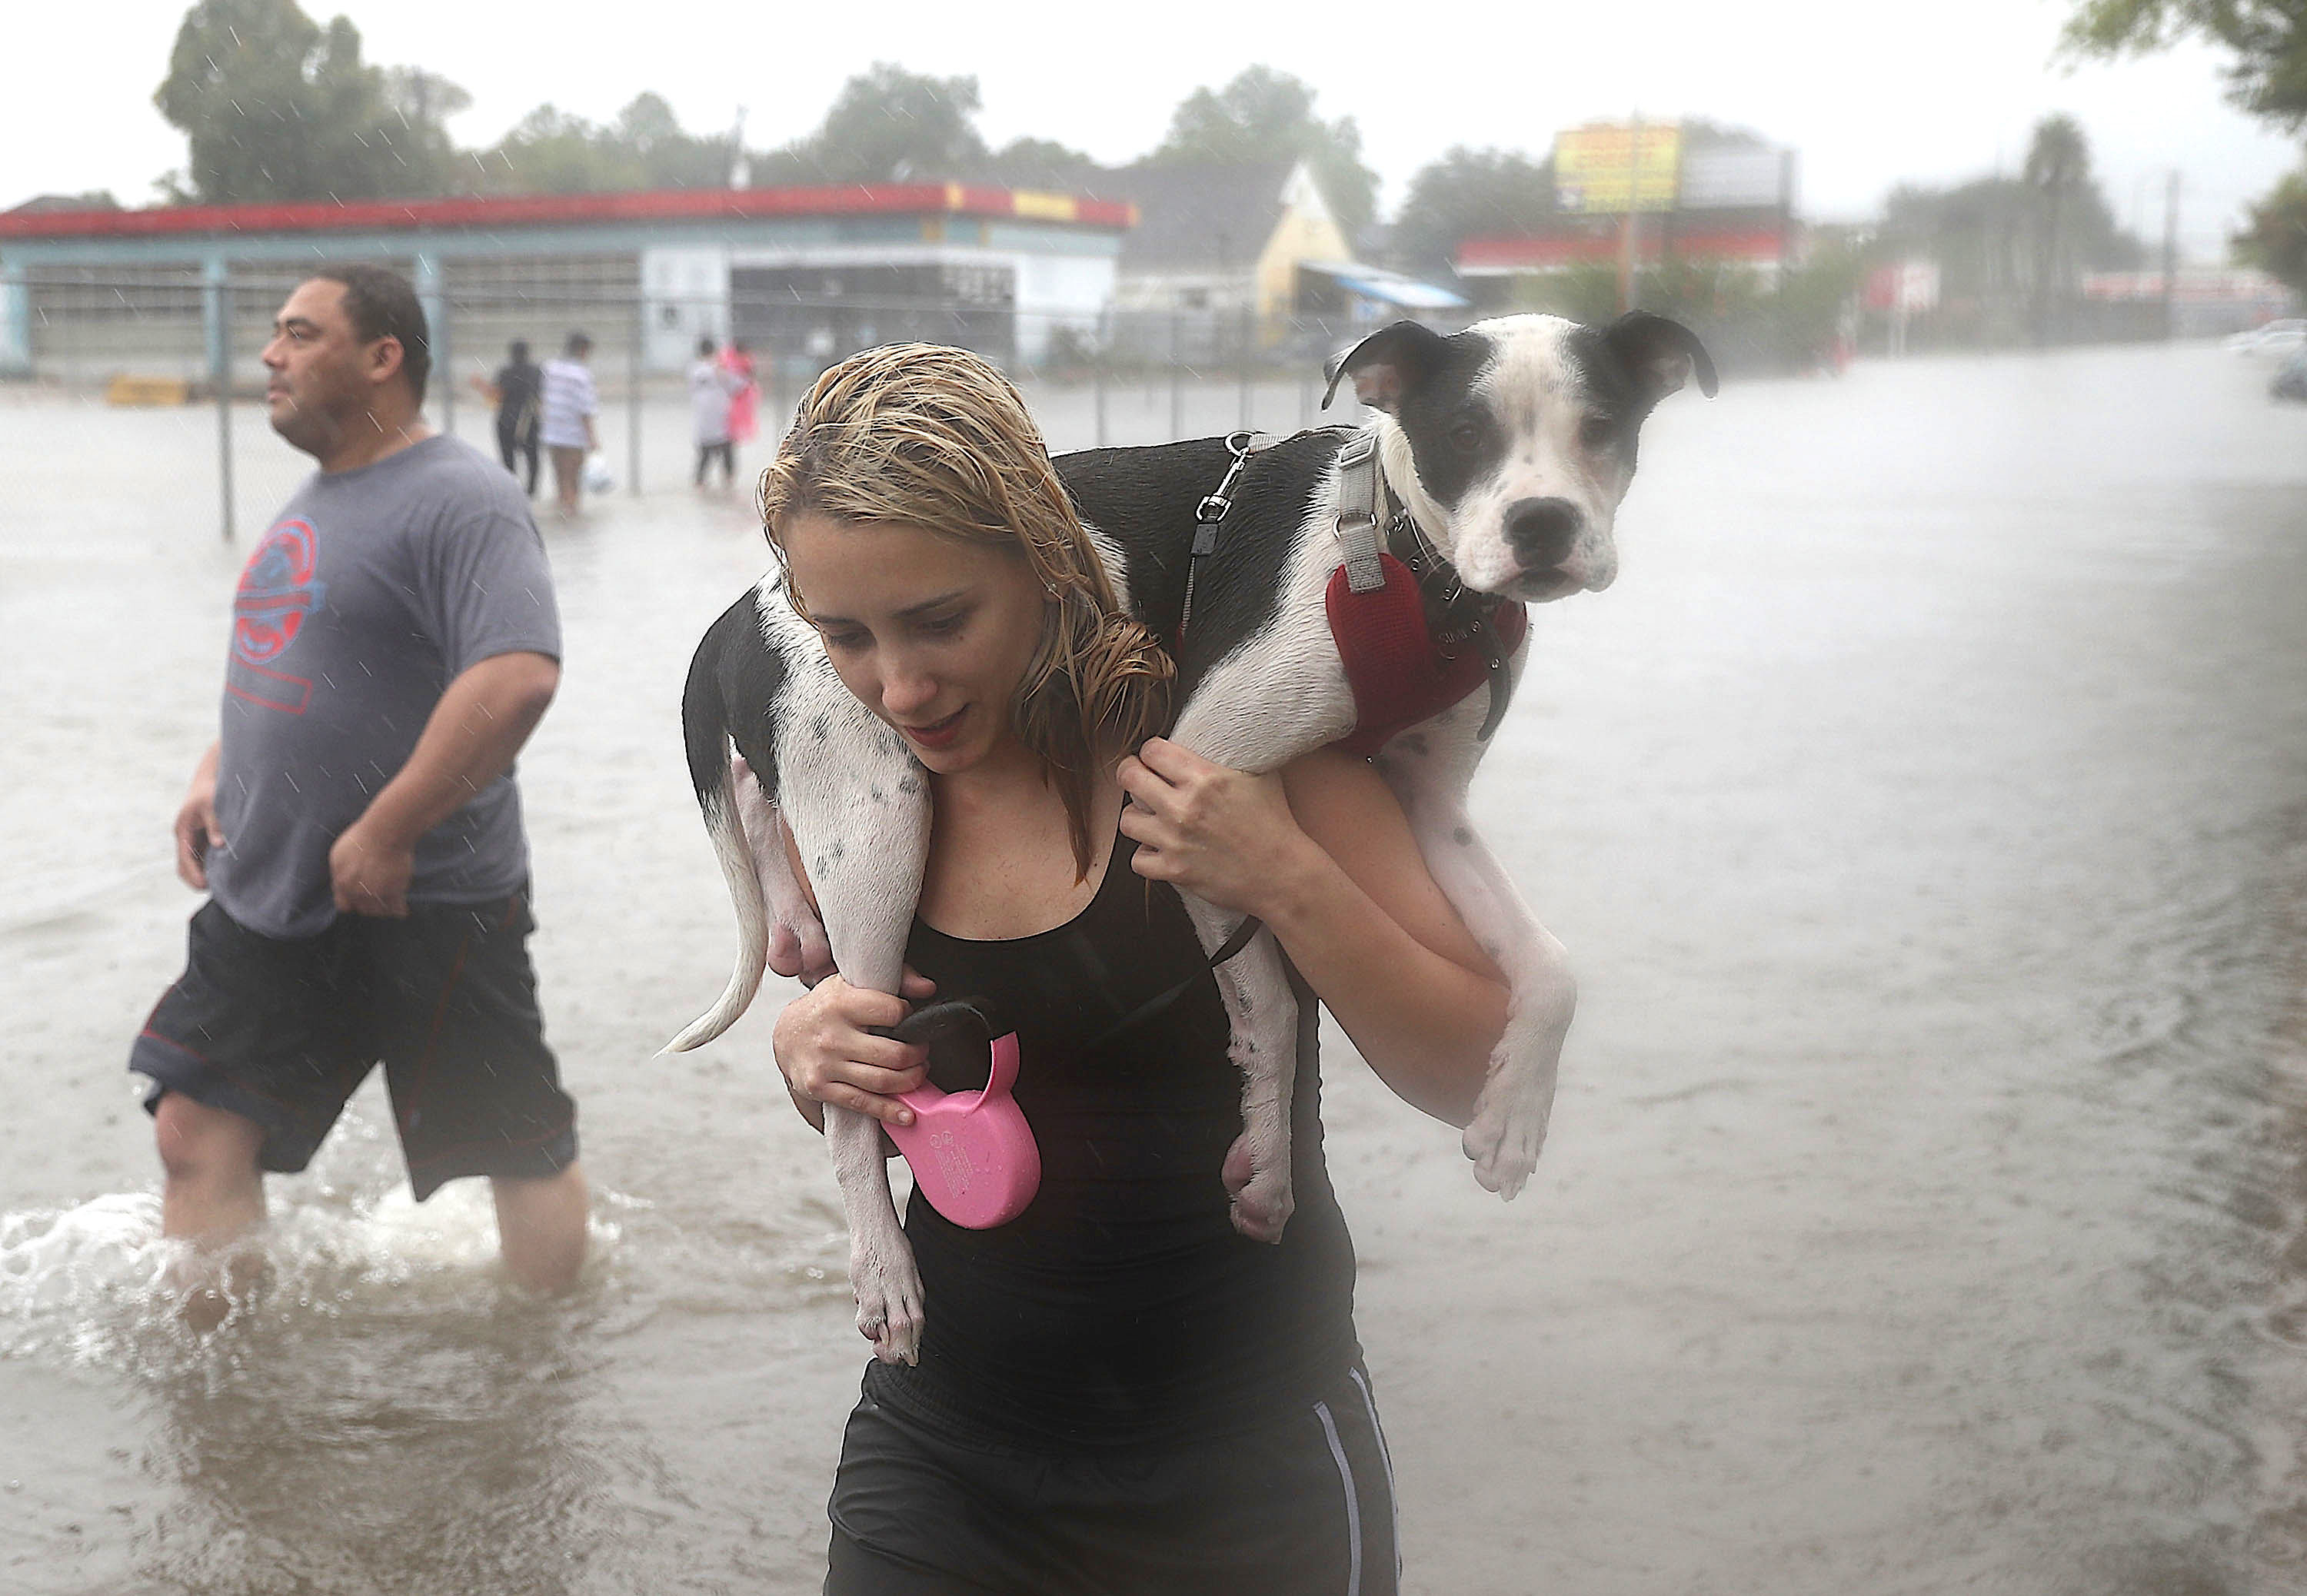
x,y
567,408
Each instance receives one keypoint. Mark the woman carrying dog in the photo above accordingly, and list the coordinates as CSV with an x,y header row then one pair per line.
x,y
1116,1391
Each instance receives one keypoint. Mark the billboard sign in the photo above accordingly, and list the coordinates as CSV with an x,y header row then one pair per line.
x,y
1609,168
1737,176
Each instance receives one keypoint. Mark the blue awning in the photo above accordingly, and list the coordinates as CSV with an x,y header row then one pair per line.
x,y
1388,287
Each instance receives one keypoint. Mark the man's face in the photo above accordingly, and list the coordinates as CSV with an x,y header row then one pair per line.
x,y
322,376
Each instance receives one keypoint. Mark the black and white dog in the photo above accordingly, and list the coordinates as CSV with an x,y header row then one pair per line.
x,y
1506,447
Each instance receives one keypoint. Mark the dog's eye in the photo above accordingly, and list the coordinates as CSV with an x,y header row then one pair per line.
x,y
1597,431
1467,437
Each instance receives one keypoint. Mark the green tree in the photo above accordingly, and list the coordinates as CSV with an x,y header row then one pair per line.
x,y
666,155
550,151
275,106
1039,163
2266,40
1470,194
891,126
2275,241
1264,115
2058,179
1975,231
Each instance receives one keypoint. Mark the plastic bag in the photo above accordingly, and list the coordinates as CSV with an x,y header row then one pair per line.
x,y
598,477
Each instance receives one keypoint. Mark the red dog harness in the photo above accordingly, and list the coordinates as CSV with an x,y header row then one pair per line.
x,y
1412,640
1400,674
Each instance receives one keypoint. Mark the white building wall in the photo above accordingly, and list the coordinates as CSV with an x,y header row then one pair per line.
x,y
687,294
1059,291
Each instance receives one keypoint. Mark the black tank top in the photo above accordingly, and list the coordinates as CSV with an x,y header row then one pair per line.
x,y
1121,1307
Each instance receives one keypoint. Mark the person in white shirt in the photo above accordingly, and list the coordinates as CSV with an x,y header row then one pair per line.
x,y
711,388
565,418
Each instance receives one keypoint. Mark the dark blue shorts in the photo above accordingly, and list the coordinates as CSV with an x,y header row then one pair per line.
x,y
282,1032
1300,1506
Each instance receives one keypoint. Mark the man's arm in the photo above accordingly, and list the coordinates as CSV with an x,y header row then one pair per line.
x,y
197,831
480,723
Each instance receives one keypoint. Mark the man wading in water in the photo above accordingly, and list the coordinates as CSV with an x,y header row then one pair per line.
x,y
395,640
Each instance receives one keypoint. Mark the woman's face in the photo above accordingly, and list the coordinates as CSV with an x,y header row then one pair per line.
x,y
932,634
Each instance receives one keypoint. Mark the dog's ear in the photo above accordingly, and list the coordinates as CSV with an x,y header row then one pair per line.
x,y
1661,355
1387,364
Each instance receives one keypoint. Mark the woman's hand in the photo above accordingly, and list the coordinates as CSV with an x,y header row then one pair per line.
x,y
1325,856
827,1055
1228,837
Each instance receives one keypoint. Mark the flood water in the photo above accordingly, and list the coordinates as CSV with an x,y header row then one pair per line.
x,y
1926,809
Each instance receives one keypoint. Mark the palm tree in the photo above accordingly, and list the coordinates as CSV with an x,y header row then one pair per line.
x,y
2057,171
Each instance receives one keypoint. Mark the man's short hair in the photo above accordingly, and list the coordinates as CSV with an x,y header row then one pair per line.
x,y
580,342
380,305
706,346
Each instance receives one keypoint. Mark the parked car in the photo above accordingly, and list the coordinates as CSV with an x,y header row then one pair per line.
x,y
2291,381
2283,335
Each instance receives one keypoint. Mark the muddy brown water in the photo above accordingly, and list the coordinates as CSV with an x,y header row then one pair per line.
x,y
1926,809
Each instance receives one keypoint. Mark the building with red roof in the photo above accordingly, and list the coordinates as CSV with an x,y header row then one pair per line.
x,y
801,273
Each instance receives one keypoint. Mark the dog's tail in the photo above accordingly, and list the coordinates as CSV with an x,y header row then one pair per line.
x,y
705,729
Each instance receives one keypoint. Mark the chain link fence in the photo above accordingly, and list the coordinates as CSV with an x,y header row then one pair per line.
x,y
164,337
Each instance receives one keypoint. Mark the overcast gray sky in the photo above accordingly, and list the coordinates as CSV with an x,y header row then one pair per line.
x,y
1871,94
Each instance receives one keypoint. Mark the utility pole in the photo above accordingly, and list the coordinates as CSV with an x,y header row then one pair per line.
x,y
218,307
633,365
2171,255
1629,229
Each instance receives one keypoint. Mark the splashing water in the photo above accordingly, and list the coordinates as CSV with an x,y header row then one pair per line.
x,y
96,1284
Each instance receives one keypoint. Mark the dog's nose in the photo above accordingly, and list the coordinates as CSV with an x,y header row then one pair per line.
x,y
1540,531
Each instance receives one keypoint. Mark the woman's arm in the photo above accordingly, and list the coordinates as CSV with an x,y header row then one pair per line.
x,y
1323,854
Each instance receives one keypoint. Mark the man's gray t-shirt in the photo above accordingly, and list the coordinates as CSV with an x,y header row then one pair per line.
x,y
372,591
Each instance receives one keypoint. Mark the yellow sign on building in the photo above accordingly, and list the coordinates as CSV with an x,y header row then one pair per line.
x,y
1614,167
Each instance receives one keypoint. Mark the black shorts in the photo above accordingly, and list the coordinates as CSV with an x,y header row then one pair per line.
x,y
281,1032
1301,1505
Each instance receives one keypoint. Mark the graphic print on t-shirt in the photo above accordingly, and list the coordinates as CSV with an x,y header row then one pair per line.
x,y
277,591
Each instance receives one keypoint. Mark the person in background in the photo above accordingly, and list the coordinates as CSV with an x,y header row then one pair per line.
x,y
515,391
356,824
568,403
743,426
711,386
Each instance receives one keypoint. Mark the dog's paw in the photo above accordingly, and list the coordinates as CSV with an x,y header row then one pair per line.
x,y
889,1310
1263,1200
1508,1131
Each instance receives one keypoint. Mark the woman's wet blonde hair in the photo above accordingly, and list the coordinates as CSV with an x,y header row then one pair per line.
x,y
922,435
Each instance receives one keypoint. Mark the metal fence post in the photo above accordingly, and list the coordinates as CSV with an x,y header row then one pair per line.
x,y
217,307
633,394
1176,382
1242,354
435,307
